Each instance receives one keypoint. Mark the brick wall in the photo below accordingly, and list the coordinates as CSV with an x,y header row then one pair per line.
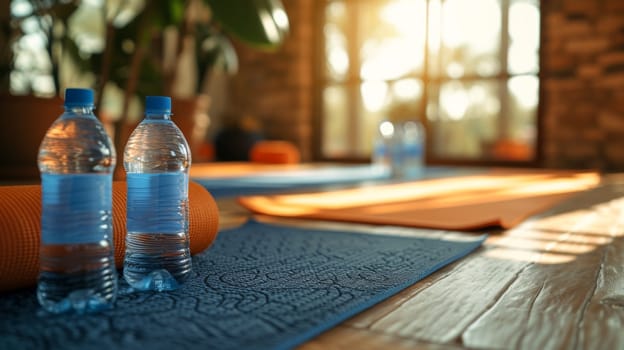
x,y
276,88
582,83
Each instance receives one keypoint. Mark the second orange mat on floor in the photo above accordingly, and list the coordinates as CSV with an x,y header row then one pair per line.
x,y
500,198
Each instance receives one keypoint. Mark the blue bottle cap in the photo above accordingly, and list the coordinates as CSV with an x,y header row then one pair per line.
x,y
78,97
157,105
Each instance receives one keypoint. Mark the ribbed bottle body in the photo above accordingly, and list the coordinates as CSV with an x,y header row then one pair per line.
x,y
157,160
76,160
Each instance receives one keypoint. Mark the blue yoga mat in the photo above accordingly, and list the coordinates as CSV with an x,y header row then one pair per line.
x,y
259,286
297,180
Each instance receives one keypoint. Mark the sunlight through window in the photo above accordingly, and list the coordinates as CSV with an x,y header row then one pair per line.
x,y
467,69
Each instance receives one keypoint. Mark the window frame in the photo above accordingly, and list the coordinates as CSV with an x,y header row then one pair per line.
x,y
353,82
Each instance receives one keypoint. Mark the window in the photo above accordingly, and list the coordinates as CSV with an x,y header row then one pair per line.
x,y
467,69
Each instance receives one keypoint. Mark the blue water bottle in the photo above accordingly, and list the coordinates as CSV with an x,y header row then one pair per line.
x,y
76,160
157,161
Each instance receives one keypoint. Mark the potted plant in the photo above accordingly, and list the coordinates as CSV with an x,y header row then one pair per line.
x,y
200,28
18,132
142,45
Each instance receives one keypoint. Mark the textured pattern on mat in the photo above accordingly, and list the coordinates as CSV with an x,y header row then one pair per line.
x,y
259,286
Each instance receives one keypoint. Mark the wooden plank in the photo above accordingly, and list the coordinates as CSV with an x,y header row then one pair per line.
x,y
441,312
367,318
543,301
342,337
550,300
603,321
532,278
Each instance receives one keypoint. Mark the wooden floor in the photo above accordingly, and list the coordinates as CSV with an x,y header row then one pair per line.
x,y
554,282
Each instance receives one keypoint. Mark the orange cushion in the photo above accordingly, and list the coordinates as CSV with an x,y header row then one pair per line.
x,y
274,152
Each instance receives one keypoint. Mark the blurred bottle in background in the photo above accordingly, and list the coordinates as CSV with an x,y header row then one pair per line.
x,y
76,160
381,157
413,141
157,161
399,149
397,152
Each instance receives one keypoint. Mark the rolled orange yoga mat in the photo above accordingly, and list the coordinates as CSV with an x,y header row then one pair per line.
x,y
20,229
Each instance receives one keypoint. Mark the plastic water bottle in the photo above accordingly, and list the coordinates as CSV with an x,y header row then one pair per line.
x,y
413,149
397,152
381,157
76,160
157,160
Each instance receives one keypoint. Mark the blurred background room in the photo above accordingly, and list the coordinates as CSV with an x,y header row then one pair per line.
x,y
494,82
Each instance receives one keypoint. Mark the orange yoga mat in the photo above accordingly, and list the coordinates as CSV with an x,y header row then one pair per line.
x,y
500,198
20,229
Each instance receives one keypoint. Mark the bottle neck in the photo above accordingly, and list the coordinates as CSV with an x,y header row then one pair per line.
x,y
79,109
158,116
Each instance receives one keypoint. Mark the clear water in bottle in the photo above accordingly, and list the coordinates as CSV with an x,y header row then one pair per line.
x,y
157,160
76,160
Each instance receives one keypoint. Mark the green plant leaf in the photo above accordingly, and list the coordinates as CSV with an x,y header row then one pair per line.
x,y
259,23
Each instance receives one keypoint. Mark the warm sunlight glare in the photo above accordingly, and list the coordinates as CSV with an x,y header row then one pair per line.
x,y
374,94
474,23
454,100
529,256
270,27
338,60
281,19
525,90
435,25
407,89
561,238
524,19
443,192
402,53
336,46
386,128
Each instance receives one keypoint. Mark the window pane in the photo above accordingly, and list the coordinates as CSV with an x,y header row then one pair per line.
x,y
393,38
482,97
524,32
523,101
334,31
374,100
335,122
470,38
435,37
463,117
